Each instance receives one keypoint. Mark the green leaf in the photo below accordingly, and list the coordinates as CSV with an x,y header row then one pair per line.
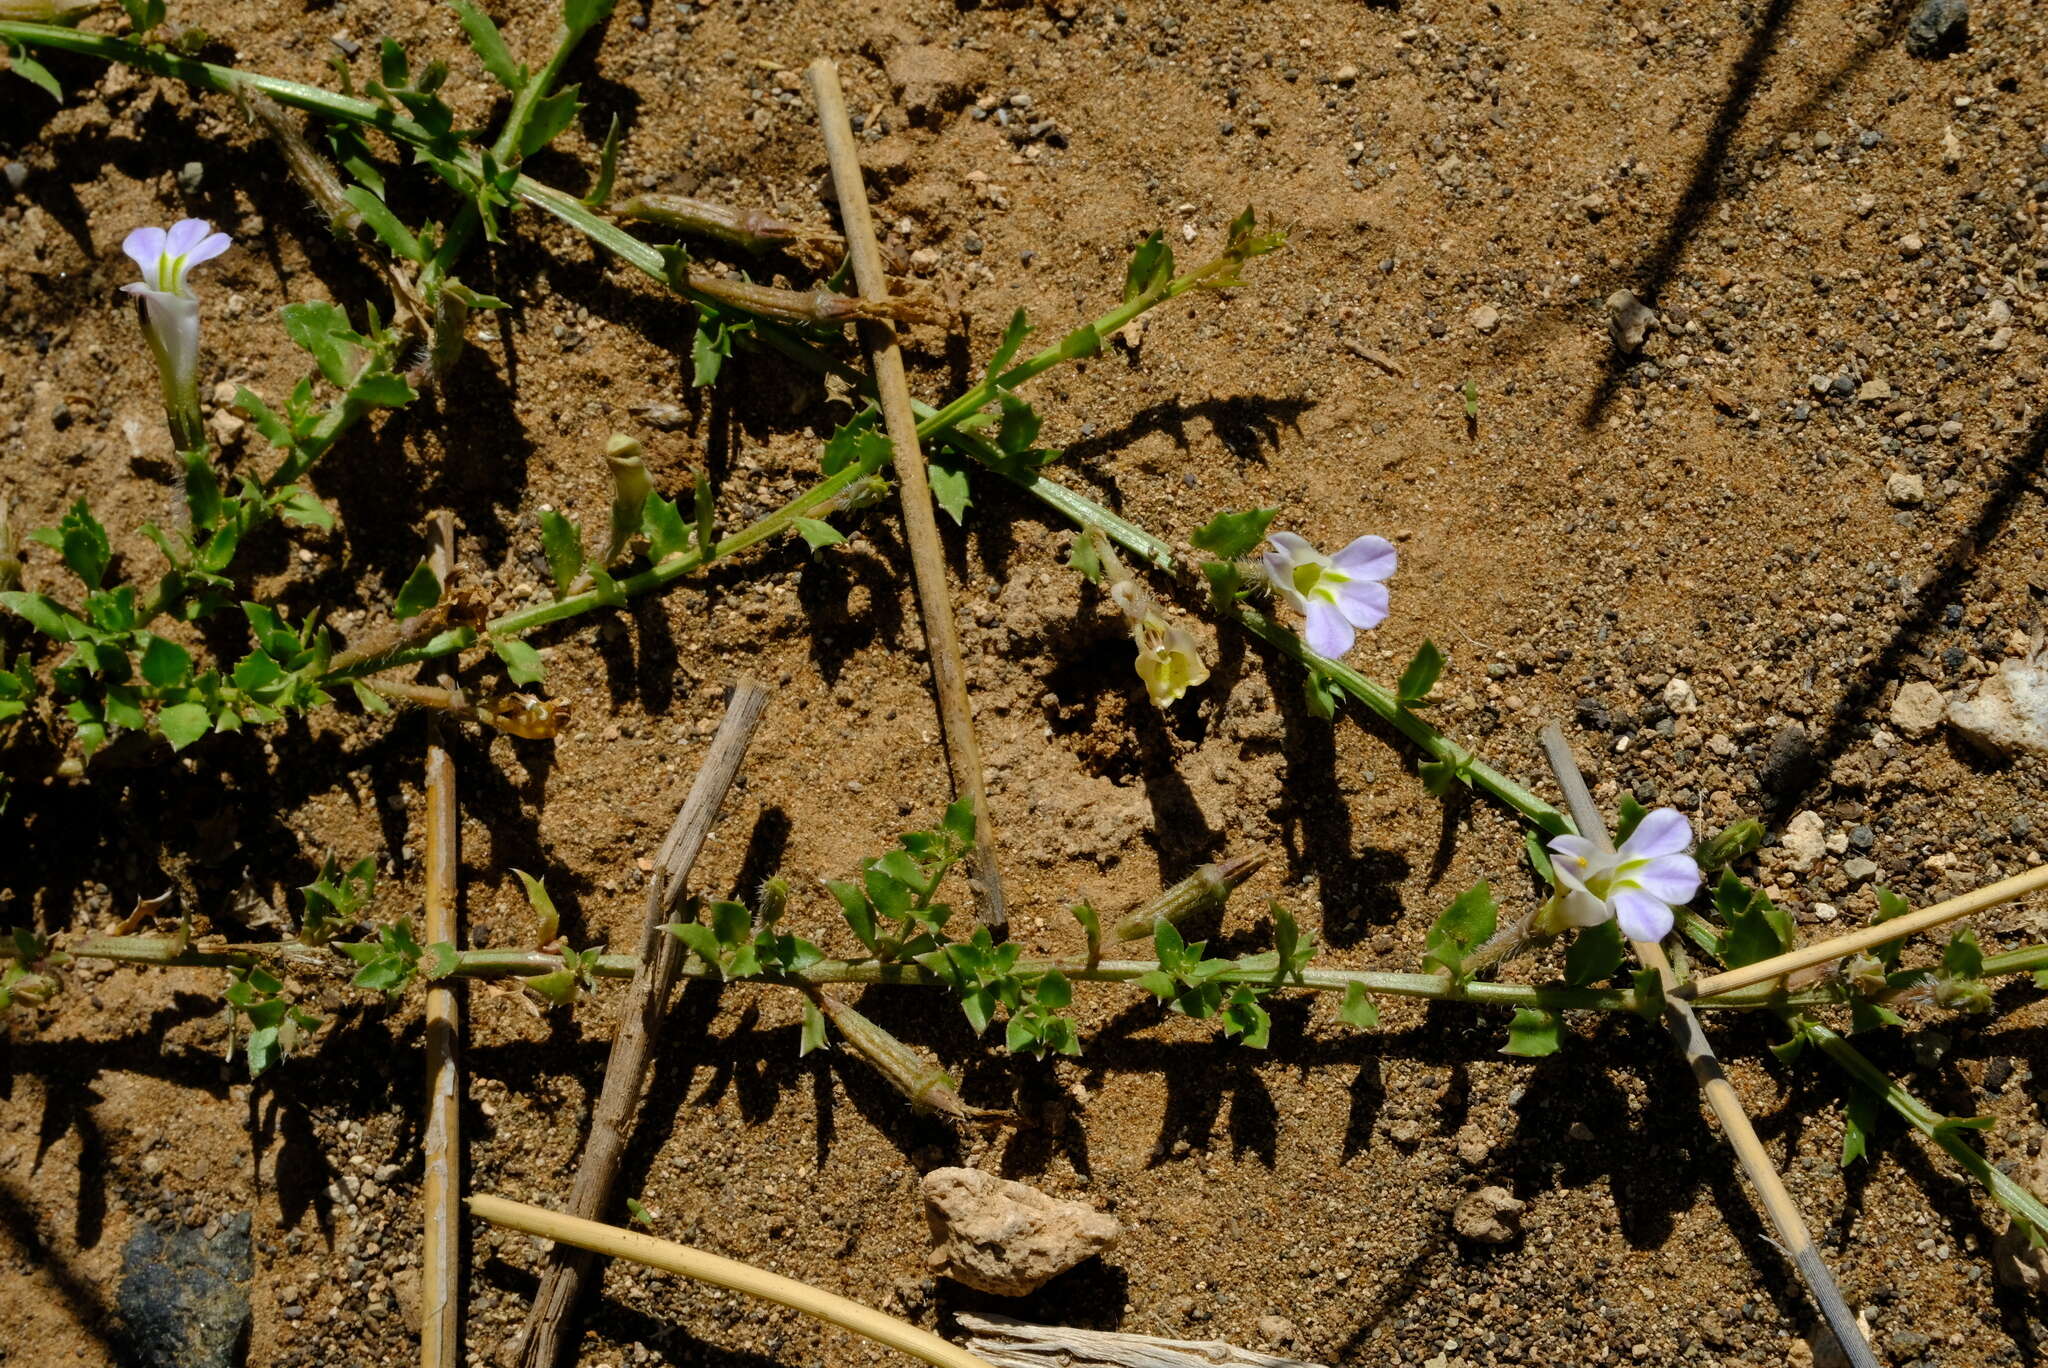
x,y
1463,927
663,524
958,822
1731,844
1014,334
543,905
1962,958
1889,905
857,442
709,350
1053,991
1359,1009
1439,777
369,698
550,116
562,540
1083,341
1021,1035
1533,1034
1318,695
124,707
298,505
948,471
707,538
384,390
1757,932
1860,1112
814,1029
392,68
489,45
322,330
1629,815
1150,269
1245,1017
859,914
44,614
607,169
818,535
700,938
144,14
1421,675
439,960
1595,954
29,69
183,723
581,16
1233,535
1082,556
522,662
385,224
83,542
421,591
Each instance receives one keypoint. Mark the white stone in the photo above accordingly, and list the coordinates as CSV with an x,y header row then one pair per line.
x,y
1680,696
1805,840
1905,489
1918,708
2010,712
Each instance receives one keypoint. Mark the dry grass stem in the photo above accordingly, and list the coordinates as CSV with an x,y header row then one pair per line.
x,y
920,521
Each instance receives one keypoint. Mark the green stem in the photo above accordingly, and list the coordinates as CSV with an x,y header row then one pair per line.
x,y
2011,1195
1428,739
573,605
164,951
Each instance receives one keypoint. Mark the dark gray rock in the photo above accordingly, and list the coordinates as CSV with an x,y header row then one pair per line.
x,y
1789,764
185,1294
1938,28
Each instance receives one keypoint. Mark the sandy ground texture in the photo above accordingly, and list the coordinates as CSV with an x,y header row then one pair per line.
x,y
1717,561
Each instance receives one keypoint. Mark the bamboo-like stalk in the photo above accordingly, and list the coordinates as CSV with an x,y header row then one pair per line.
x,y
1793,1236
920,518
723,1272
441,1140
545,1334
1864,938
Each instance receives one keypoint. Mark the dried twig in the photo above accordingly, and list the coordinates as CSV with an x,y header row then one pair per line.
x,y
927,557
1793,1235
441,1187
545,1333
1008,1343
723,1272
1838,947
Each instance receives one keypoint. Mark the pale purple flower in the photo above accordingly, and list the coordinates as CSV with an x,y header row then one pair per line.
x,y
167,257
1340,595
1638,885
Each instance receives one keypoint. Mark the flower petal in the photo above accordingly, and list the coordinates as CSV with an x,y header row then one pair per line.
x,y
1280,574
1329,635
1583,909
1294,547
1367,558
208,248
186,234
1662,832
1642,917
145,247
1363,603
1673,878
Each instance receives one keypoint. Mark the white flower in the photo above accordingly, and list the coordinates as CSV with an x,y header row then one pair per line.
x,y
1638,885
1340,595
167,257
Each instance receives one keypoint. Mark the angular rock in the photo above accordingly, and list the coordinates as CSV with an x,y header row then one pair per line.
x,y
1485,318
1905,489
185,1295
1492,1215
1628,321
1938,28
1006,1238
2009,715
1805,840
1918,708
1680,696
930,80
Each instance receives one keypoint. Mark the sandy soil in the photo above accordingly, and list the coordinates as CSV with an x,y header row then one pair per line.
x,y
1799,199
